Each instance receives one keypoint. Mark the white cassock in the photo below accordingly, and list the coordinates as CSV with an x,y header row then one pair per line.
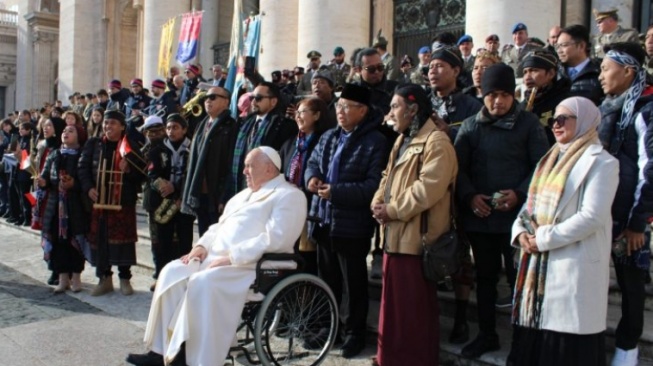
x,y
202,306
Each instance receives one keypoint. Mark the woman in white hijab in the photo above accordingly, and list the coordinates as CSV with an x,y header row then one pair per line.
x,y
564,232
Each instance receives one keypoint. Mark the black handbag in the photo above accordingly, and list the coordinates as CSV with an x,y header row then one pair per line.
x,y
440,258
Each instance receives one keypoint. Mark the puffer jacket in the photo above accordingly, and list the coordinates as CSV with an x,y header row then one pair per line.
x,y
494,155
363,158
586,84
408,192
633,203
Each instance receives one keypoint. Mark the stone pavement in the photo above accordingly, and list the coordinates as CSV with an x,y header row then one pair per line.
x,y
39,328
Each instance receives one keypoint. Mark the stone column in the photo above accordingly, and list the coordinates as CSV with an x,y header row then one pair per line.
x,y
24,55
46,52
483,19
325,24
279,35
156,14
80,60
209,35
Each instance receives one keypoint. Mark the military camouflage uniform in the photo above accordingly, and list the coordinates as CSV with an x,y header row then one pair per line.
x,y
619,35
512,57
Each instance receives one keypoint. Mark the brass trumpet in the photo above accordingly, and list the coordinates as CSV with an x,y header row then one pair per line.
x,y
194,106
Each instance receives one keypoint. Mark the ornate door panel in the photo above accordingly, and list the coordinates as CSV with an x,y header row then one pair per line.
x,y
416,22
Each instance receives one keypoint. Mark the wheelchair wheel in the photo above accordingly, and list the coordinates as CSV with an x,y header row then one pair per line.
x,y
297,322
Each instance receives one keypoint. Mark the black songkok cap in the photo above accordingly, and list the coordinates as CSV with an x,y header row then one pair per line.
x,y
356,93
448,55
113,114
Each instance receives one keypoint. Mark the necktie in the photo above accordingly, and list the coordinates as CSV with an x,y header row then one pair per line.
x,y
255,128
572,73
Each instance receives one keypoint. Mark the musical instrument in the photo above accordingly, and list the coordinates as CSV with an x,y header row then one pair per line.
x,y
160,113
531,100
194,106
108,181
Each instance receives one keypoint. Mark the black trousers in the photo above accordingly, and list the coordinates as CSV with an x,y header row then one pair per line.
x,y
342,265
207,214
631,282
488,249
175,239
24,187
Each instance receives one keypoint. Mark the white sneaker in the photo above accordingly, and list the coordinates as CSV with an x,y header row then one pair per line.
x,y
625,357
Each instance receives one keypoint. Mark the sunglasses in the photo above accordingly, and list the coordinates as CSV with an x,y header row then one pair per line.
x,y
215,96
372,69
560,120
258,98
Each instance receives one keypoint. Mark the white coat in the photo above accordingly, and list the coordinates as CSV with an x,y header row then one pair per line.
x,y
579,244
202,306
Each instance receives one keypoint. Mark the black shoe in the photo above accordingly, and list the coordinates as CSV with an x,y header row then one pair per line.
x,y
353,346
459,333
27,223
6,215
54,279
18,222
12,220
145,359
482,344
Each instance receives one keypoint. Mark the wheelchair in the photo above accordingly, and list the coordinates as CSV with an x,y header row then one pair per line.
x,y
293,321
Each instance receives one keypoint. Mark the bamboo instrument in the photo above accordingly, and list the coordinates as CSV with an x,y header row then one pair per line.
x,y
106,200
531,100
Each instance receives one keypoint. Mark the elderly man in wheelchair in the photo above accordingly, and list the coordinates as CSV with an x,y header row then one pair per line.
x,y
226,285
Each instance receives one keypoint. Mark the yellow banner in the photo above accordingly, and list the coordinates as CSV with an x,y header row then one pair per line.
x,y
165,48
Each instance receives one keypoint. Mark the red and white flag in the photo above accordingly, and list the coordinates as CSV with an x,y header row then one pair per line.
x,y
31,197
25,161
124,147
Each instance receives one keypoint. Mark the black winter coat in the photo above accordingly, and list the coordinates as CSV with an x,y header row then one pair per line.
x,y
546,103
586,84
77,217
364,156
494,155
628,212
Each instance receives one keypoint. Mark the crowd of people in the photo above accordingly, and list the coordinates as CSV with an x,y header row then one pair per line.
x,y
542,148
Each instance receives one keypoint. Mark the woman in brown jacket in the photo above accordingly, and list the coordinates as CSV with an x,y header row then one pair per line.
x,y
418,179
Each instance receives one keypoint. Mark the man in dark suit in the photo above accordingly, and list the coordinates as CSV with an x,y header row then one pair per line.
x,y
573,52
218,76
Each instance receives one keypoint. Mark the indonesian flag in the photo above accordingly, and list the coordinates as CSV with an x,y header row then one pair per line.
x,y
124,147
31,197
25,161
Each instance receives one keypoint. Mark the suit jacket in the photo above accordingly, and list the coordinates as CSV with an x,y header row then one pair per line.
x,y
579,246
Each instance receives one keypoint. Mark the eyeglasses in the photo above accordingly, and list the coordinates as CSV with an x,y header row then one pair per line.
x,y
564,45
346,107
259,98
214,96
560,120
372,69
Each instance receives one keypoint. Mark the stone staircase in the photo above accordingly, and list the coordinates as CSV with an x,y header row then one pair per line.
x,y
450,354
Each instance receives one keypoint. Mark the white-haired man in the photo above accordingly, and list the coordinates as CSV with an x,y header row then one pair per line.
x,y
199,298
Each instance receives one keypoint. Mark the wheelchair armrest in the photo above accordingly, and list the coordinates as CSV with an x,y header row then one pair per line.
x,y
280,257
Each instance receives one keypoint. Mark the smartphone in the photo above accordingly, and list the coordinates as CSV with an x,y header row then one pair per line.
x,y
527,222
250,65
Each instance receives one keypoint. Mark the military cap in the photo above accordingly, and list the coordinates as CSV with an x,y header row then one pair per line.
x,y
379,41
492,37
313,54
465,38
338,51
608,13
423,50
519,27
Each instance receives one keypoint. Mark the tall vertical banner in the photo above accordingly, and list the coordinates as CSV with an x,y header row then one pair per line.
x,y
165,48
189,35
245,41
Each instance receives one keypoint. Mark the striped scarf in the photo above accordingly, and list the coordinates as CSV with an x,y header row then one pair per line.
x,y
544,193
243,146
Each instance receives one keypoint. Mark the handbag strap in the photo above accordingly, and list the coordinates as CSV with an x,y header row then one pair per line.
x,y
452,207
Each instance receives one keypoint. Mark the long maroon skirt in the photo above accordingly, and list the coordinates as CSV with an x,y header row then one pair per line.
x,y
409,324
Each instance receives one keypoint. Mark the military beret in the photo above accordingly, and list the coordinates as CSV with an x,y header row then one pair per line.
x,y
609,13
136,81
158,83
338,51
465,38
115,83
313,54
519,27
423,50
194,69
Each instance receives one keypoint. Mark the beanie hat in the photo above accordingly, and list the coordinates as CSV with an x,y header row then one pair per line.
x,y
136,81
448,55
539,60
115,83
158,83
498,77
323,74
178,118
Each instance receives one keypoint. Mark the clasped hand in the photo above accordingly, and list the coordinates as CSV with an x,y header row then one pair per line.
x,y
200,253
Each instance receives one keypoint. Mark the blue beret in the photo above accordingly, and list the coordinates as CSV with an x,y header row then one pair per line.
x,y
519,27
465,38
424,49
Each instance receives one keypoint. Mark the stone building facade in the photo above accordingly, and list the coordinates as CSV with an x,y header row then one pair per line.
x,y
64,46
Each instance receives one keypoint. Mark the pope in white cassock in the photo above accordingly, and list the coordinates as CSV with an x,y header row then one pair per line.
x,y
200,297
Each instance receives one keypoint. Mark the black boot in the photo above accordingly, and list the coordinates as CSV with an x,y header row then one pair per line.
x,y
145,359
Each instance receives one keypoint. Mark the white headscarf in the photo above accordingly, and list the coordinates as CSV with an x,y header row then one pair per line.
x,y
587,115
